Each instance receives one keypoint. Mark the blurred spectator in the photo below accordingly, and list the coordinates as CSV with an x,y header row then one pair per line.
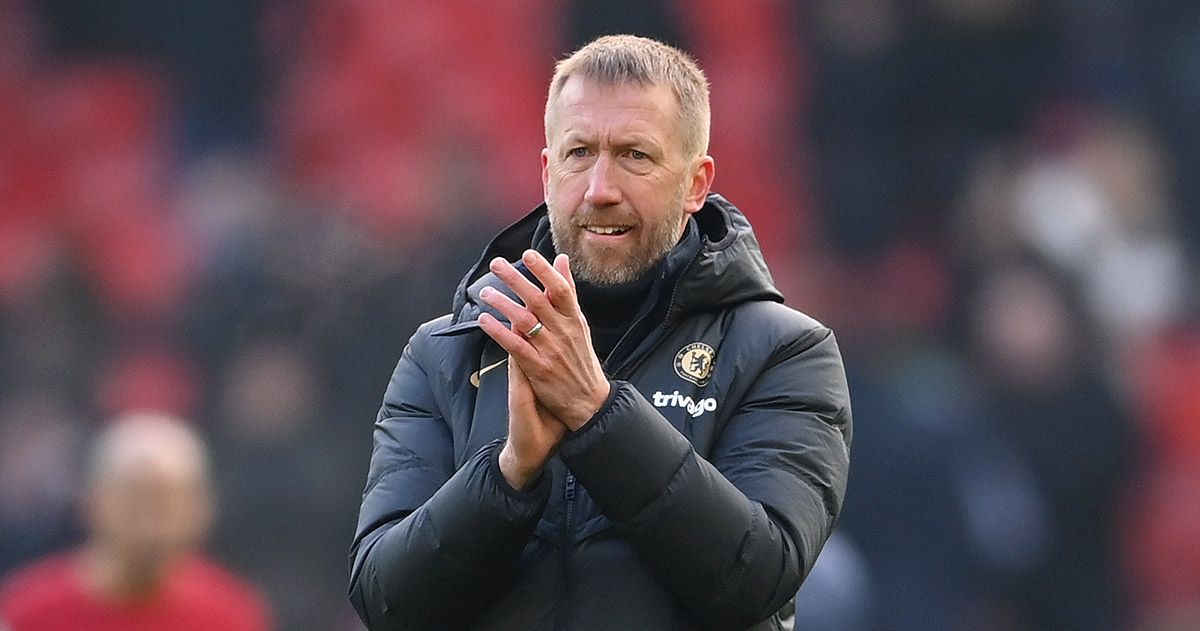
x,y
1098,208
270,452
1054,405
944,510
147,506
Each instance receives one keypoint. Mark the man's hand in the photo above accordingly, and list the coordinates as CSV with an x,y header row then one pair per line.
x,y
533,434
559,362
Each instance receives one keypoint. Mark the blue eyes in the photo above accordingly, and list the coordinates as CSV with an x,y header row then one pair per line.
x,y
583,152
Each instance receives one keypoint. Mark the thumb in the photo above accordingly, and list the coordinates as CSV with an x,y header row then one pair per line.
x,y
515,376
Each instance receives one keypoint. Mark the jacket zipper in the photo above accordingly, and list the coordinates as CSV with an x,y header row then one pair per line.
x,y
568,547
626,369
569,494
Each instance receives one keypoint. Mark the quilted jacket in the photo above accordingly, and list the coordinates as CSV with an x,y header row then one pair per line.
x,y
698,497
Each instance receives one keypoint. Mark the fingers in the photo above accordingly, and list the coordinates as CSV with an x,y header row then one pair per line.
x,y
511,341
559,293
559,290
546,308
522,319
529,293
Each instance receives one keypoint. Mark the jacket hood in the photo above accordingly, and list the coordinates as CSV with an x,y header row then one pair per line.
x,y
727,269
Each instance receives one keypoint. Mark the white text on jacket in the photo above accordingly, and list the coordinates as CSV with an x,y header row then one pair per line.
x,y
695,408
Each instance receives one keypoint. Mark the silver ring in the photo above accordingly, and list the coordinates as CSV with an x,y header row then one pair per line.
x,y
532,333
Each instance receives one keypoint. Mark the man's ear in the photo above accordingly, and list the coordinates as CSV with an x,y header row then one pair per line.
x,y
703,170
546,173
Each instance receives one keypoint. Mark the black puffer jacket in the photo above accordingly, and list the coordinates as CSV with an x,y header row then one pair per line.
x,y
698,497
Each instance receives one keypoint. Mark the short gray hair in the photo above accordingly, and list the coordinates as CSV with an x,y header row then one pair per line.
x,y
620,59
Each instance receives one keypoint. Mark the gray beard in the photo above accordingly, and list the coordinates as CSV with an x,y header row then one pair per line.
x,y
662,239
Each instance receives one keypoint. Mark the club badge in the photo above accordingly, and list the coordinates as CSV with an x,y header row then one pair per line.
x,y
694,362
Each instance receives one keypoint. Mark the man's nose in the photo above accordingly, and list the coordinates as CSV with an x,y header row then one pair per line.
x,y
602,187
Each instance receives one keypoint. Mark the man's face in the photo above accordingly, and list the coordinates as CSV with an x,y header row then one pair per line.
x,y
617,182
150,512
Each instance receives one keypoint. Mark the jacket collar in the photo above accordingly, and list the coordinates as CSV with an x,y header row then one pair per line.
x,y
726,269
729,268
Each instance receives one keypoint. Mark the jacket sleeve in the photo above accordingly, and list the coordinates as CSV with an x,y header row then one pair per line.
x,y
732,537
432,543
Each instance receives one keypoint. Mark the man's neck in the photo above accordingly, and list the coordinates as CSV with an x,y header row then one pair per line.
x,y
110,577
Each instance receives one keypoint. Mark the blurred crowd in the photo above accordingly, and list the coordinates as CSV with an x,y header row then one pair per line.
x,y
236,211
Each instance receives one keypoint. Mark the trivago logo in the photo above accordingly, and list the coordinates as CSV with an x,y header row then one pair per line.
x,y
676,400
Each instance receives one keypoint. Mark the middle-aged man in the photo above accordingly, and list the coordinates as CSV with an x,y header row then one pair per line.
x,y
148,505
619,426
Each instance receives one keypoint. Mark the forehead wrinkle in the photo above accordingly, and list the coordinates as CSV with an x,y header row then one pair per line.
x,y
598,100
616,139
611,138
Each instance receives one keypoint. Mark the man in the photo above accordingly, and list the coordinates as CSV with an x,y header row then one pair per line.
x,y
624,429
147,507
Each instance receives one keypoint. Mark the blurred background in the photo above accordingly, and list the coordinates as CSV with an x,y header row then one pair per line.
x,y
239,210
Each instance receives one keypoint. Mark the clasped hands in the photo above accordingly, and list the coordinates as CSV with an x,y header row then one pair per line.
x,y
555,381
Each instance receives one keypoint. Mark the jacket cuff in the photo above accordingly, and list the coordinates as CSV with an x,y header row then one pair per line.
x,y
625,455
612,394
477,509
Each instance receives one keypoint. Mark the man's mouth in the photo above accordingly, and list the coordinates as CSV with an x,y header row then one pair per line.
x,y
607,230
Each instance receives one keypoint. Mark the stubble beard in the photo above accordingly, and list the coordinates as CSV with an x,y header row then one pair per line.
x,y
658,239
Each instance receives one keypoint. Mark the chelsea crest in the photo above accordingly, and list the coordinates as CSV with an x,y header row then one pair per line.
x,y
694,362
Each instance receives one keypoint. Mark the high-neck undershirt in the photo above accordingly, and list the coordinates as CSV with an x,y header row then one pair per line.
x,y
611,309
